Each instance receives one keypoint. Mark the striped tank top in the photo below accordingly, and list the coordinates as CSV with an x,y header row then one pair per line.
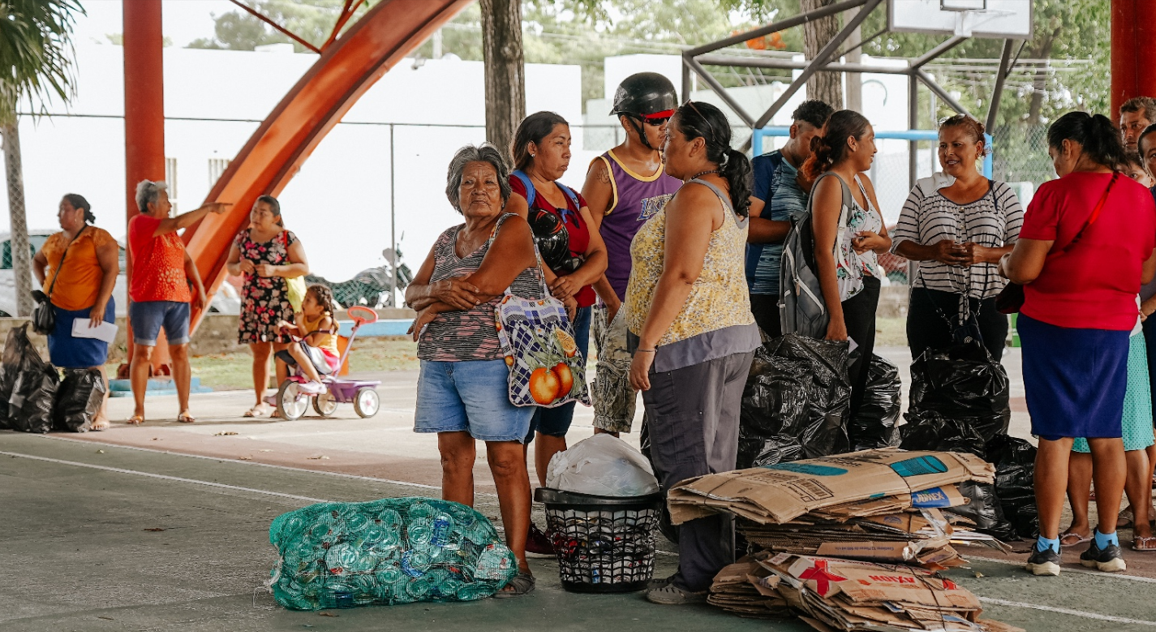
x,y
636,198
465,335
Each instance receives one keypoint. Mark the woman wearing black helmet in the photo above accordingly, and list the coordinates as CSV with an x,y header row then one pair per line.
x,y
541,153
625,187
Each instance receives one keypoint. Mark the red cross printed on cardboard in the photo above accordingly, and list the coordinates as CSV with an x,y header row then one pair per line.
x,y
822,577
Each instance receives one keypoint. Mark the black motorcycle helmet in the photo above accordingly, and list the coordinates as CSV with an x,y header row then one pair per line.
x,y
644,95
551,237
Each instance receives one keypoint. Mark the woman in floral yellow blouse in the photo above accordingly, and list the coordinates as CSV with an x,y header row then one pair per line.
x,y
691,330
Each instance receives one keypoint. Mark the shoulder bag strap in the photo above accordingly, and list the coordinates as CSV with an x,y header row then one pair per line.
x,y
1094,216
60,266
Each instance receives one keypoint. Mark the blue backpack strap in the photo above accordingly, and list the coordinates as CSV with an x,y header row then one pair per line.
x,y
531,193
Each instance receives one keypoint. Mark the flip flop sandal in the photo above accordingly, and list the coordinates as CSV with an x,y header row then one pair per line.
x,y
521,584
1125,519
1065,539
1144,544
135,420
186,418
256,411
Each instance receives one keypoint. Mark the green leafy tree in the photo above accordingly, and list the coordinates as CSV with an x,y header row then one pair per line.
x,y
36,65
311,20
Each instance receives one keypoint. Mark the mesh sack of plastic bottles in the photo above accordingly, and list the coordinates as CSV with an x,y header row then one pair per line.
x,y
385,552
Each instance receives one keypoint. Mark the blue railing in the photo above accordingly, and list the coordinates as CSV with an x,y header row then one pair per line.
x,y
908,135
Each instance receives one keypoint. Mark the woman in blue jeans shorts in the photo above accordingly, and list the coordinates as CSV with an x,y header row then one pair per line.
x,y
463,388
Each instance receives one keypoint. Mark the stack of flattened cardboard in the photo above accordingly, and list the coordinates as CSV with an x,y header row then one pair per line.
x,y
747,589
855,485
836,594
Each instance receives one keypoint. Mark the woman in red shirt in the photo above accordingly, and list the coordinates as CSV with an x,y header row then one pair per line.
x,y
541,152
1085,248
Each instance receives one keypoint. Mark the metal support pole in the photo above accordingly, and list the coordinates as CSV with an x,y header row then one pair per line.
x,y
1000,78
1133,68
392,221
940,92
776,27
819,61
144,116
912,123
790,64
686,88
717,88
932,54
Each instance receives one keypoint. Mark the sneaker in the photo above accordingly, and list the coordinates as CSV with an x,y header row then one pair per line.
x,y
311,388
1108,559
1044,562
671,595
538,544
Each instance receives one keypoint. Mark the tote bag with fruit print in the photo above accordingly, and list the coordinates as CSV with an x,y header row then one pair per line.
x,y
546,367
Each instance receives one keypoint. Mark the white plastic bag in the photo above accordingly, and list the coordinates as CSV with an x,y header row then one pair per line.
x,y
602,465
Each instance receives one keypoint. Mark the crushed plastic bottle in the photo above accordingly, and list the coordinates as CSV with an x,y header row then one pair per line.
x,y
392,551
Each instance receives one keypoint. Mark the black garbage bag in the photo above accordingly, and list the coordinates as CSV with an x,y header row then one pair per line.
x,y
795,402
78,400
876,424
775,407
33,396
929,430
962,382
1014,461
984,509
17,357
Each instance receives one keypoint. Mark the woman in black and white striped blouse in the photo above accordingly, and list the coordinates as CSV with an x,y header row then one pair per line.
x,y
957,224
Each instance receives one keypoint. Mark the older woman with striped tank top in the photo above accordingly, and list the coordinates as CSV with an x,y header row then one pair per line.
x,y
957,224
692,332
462,391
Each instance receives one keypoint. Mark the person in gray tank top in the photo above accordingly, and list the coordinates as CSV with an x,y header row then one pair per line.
x,y
624,188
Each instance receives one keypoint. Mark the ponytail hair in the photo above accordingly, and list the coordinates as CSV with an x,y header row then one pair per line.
x,y
830,148
78,201
705,121
324,297
1094,132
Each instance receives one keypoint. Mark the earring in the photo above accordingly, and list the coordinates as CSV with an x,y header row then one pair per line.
x,y
533,155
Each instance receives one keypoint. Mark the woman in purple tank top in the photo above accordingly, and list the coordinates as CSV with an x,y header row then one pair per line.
x,y
462,391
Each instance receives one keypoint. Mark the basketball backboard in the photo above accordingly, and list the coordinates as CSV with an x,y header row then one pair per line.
x,y
1003,19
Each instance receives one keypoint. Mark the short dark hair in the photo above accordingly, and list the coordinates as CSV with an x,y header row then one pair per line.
x,y
532,129
1145,105
78,201
813,111
1151,129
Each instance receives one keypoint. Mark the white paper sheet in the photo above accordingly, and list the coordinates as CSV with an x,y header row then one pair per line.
x,y
104,331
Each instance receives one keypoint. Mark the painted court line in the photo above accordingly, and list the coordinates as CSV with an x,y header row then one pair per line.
x,y
164,477
1067,611
253,463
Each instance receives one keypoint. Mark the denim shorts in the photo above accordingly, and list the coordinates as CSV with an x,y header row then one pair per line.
x,y
148,317
471,397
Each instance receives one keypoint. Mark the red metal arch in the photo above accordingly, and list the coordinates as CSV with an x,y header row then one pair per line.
x,y
346,70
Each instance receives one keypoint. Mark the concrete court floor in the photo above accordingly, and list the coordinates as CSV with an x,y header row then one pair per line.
x,y
76,509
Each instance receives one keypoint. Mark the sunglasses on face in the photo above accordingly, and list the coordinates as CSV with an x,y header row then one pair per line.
x,y
657,121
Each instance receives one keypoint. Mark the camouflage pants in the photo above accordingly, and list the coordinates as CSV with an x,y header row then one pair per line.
x,y
614,398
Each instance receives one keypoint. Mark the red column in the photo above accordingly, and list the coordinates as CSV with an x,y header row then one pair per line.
x,y
144,108
1133,58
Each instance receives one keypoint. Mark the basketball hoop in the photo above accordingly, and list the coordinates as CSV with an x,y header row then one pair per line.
x,y
1002,19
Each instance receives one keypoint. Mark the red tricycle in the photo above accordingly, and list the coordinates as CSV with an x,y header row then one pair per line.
x,y
292,402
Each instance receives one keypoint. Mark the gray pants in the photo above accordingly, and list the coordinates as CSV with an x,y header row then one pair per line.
x,y
693,419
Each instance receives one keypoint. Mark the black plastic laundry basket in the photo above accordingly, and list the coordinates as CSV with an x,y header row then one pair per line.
x,y
604,544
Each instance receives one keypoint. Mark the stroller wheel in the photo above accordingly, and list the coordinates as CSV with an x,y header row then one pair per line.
x,y
291,402
366,402
324,404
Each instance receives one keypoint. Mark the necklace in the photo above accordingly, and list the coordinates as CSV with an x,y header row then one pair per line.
x,y
703,173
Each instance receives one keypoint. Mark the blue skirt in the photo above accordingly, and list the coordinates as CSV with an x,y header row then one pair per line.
x,y
67,352
1074,379
1137,420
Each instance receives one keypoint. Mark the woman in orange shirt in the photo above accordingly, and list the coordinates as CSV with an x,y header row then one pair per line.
x,y
83,291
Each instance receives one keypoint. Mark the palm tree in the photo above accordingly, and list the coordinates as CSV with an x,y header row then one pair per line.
x,y
35,65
